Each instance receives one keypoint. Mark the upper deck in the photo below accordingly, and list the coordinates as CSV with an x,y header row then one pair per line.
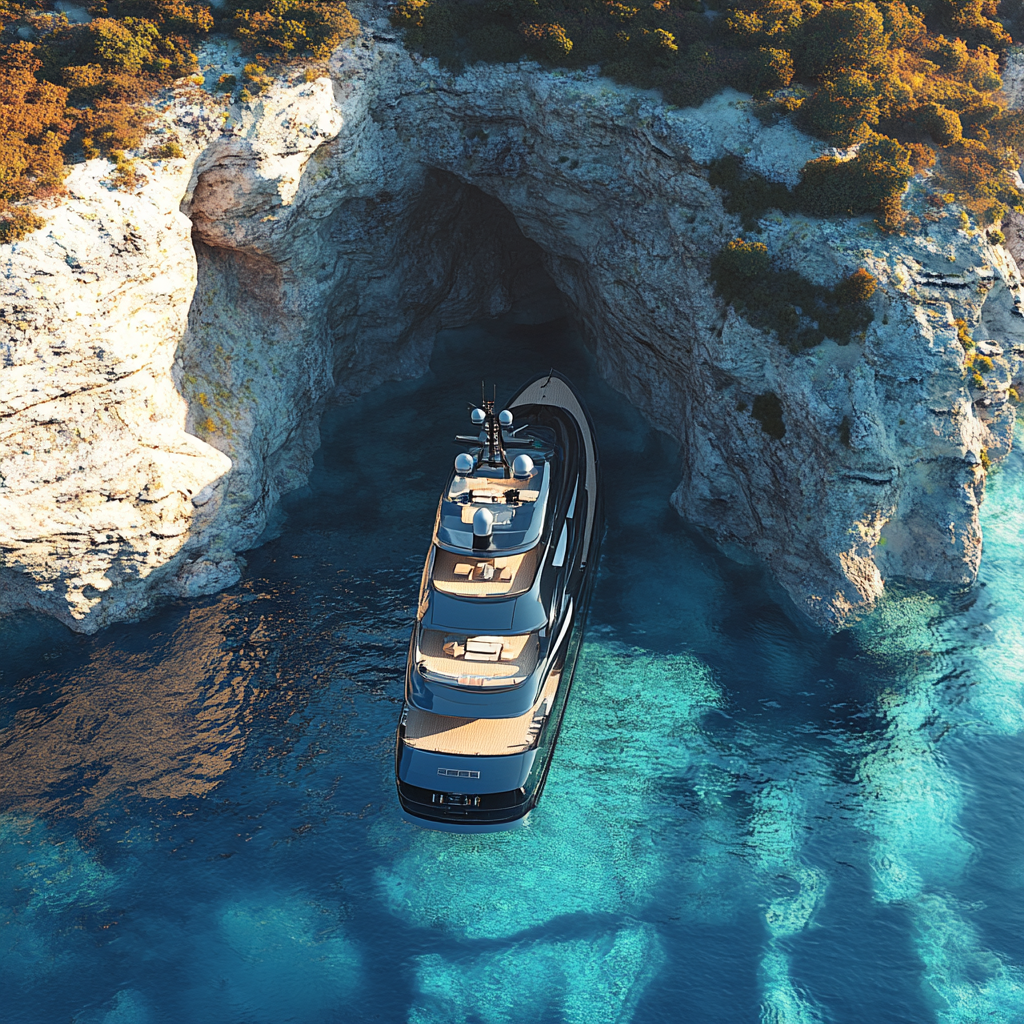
x,y
464,575
517,508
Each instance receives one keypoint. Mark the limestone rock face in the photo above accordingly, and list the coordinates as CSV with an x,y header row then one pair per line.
x,y
168,353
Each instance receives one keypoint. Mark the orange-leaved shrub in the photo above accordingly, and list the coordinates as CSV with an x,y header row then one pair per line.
x,y
34,125
84,89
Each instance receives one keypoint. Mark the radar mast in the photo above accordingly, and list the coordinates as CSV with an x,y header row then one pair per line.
x,y
494,446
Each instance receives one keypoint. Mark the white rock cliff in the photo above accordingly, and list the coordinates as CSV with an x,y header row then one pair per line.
x,y
166,354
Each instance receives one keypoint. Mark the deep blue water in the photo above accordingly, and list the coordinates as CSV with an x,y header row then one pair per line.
x,y
744,822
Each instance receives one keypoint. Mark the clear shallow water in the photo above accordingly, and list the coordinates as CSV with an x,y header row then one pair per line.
x,y
744,821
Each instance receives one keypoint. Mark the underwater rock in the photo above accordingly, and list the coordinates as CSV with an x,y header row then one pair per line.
x,y
167,370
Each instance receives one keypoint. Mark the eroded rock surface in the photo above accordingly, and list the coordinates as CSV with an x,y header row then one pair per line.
x,y
161,391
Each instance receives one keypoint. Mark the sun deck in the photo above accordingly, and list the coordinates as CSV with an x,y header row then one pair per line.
x,y
494,490
480,736
478,660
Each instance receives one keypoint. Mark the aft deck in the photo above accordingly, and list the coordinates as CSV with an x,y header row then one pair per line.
x,y
480,736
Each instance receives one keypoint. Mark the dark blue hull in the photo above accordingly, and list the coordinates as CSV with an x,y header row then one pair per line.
x,y
493,792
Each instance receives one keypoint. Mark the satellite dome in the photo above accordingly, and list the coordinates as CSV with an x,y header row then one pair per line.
x,y
522,466
478,416
464,464
483,522
505,418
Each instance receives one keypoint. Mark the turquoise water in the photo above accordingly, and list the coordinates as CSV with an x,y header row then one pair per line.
x,y
744,821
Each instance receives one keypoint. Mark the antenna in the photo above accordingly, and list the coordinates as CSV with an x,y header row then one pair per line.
x,y
494,451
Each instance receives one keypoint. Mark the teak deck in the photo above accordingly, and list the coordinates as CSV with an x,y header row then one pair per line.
x,y
480,736
522,569
520,661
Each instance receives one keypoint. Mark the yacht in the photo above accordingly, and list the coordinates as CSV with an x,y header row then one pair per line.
x,y
502,606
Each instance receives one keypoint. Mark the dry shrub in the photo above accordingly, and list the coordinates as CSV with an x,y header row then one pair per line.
x,y
295,27
34,125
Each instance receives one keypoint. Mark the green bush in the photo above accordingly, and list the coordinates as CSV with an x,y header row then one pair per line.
x,y
129,45
844,109
879,171
950,54
942,124
841,38
769,69
742,261
803,314
295,27
767,410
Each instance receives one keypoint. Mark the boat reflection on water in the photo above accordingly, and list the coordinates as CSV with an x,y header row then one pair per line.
x,y
502,607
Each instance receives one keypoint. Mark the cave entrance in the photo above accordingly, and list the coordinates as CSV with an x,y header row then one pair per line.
x,y
286,324
451,256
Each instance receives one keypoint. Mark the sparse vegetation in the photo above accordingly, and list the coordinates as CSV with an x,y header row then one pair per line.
x,y
802,313
170,151
961,333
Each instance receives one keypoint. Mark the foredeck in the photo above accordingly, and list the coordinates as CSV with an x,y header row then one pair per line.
x,y
480,736
478,660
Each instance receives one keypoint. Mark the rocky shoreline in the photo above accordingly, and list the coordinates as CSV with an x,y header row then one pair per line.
x,y
167,353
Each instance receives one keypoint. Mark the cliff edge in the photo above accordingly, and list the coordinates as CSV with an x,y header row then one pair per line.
x,y
167,352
